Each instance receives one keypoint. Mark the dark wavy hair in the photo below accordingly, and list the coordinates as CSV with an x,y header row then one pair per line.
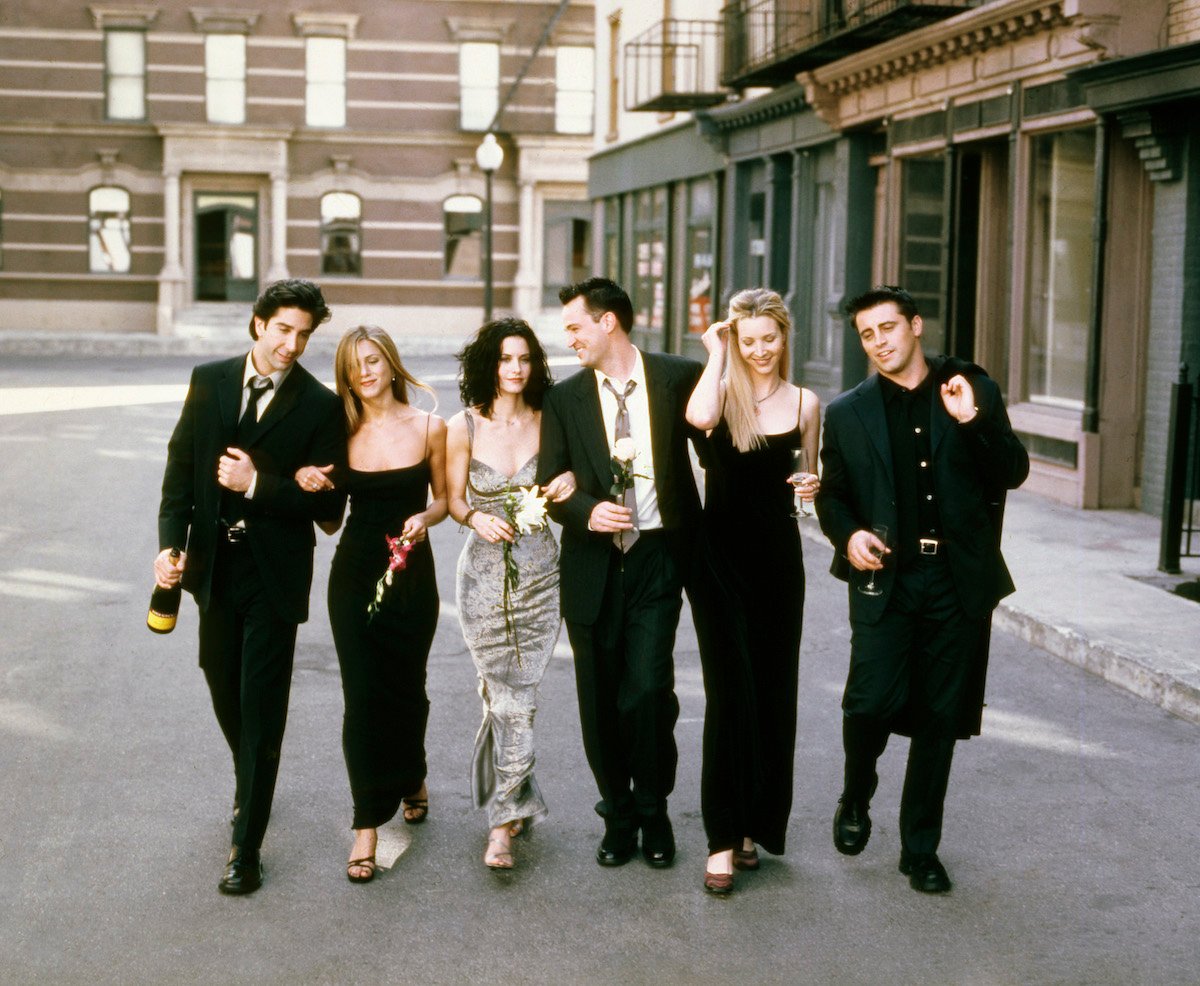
x,y
601,295
292,293
479,365
880,294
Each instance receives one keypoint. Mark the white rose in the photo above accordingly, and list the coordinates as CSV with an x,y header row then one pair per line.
x,y
625,450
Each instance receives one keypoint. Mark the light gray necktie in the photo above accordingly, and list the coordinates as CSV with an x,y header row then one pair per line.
x,y
624,539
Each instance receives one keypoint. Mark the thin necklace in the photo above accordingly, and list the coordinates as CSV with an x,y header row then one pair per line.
x,y
766,397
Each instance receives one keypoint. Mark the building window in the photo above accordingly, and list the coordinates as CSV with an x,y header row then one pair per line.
x,y
108,231
1062,206
566,235
575,78
613,239
325,75
464,236
341,233
649,253
922,228
225,76
479,84
700,243
125,75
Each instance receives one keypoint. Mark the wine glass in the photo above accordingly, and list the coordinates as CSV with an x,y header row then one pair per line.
x,y
881,532
799,468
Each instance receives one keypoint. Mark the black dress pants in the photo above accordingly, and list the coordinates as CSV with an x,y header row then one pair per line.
x,y
246,654
625,679
909,671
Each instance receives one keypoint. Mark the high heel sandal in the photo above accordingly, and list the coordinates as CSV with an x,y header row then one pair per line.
x,y
502,860
419,807
366,863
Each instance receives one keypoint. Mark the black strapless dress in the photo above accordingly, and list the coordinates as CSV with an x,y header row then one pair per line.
x,y
752,659
383,660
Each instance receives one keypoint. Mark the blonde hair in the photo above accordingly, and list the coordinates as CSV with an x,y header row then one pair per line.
x,y
744,428
345,368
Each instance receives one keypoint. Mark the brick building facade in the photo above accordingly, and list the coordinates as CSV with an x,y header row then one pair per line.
x,y
161,161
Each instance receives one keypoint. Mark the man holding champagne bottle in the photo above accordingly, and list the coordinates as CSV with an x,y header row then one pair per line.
x,y
230,502
916,462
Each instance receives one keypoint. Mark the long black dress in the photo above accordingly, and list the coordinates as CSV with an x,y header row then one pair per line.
x,y
383,659
750,651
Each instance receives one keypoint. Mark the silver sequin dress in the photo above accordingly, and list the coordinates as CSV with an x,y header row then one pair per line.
x,y
502,768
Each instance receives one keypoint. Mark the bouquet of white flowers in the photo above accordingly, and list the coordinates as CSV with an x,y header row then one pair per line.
x,y
525,509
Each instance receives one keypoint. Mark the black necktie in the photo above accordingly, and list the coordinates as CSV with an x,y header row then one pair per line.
x,y
624,539
258,386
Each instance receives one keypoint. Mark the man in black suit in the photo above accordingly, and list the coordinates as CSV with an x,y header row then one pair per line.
x,y
229,497
924,448
623,566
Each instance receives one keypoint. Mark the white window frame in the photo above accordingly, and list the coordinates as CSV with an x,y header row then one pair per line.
x,y
125,74
575,89
325,81
225,77
479,84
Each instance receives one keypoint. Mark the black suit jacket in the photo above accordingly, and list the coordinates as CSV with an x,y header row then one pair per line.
x,y
973,467
303,425
574,437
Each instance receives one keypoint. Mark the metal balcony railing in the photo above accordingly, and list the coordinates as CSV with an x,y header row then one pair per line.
x,y
674,66
768,41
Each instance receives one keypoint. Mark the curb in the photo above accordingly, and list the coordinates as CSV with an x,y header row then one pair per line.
x,y
1171,693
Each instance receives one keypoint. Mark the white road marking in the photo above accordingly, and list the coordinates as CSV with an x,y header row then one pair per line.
x,y
67,580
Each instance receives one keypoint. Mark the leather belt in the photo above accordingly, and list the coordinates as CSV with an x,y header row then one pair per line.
x,y
929,546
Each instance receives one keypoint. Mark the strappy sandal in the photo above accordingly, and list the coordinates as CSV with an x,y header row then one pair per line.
x,y
366,863
519,826
419,808
502,860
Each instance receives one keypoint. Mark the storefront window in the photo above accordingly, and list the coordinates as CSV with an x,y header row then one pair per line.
x,y
612,239
923,225
650,252
1062,204
700,234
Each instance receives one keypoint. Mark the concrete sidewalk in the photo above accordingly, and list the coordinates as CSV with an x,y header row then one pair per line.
x,y
1088,588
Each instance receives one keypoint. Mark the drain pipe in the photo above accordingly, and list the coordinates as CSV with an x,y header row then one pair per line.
x,y
1091,400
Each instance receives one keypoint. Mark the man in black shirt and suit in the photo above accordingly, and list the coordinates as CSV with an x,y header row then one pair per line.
x,y
924,449
229,499
623,566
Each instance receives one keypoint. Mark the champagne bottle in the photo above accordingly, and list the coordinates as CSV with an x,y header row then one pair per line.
x,y
164,604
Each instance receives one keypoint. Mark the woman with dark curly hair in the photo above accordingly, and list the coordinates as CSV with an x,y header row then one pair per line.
x,y
510,625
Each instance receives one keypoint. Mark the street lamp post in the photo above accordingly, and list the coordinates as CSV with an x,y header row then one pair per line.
x,y
489,155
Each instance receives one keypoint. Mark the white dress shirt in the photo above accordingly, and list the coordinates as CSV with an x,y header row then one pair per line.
x,y
248,374
638,405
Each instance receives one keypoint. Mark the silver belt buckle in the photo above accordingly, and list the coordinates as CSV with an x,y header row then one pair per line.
x,y
929,546
235,535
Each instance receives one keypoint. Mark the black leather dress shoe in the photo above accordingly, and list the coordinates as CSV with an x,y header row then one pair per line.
x,y
925,873
243,873
617,848
851,827
658,842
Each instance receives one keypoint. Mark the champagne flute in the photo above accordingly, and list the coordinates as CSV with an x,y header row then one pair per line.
x,y
881,532
799,468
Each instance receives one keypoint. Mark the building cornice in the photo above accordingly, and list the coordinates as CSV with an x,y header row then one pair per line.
x,y
131,16
324,25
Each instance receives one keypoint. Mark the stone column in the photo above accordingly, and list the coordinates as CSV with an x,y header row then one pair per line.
x,y
527,300
171,278
278,269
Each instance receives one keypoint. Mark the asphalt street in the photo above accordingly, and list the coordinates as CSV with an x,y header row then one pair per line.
x,y
1072,829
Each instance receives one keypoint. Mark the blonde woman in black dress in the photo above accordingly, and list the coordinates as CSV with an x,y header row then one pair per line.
x,y
397,487
750,653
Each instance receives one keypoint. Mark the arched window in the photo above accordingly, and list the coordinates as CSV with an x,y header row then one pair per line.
x,y
464,236
341,233
108,230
